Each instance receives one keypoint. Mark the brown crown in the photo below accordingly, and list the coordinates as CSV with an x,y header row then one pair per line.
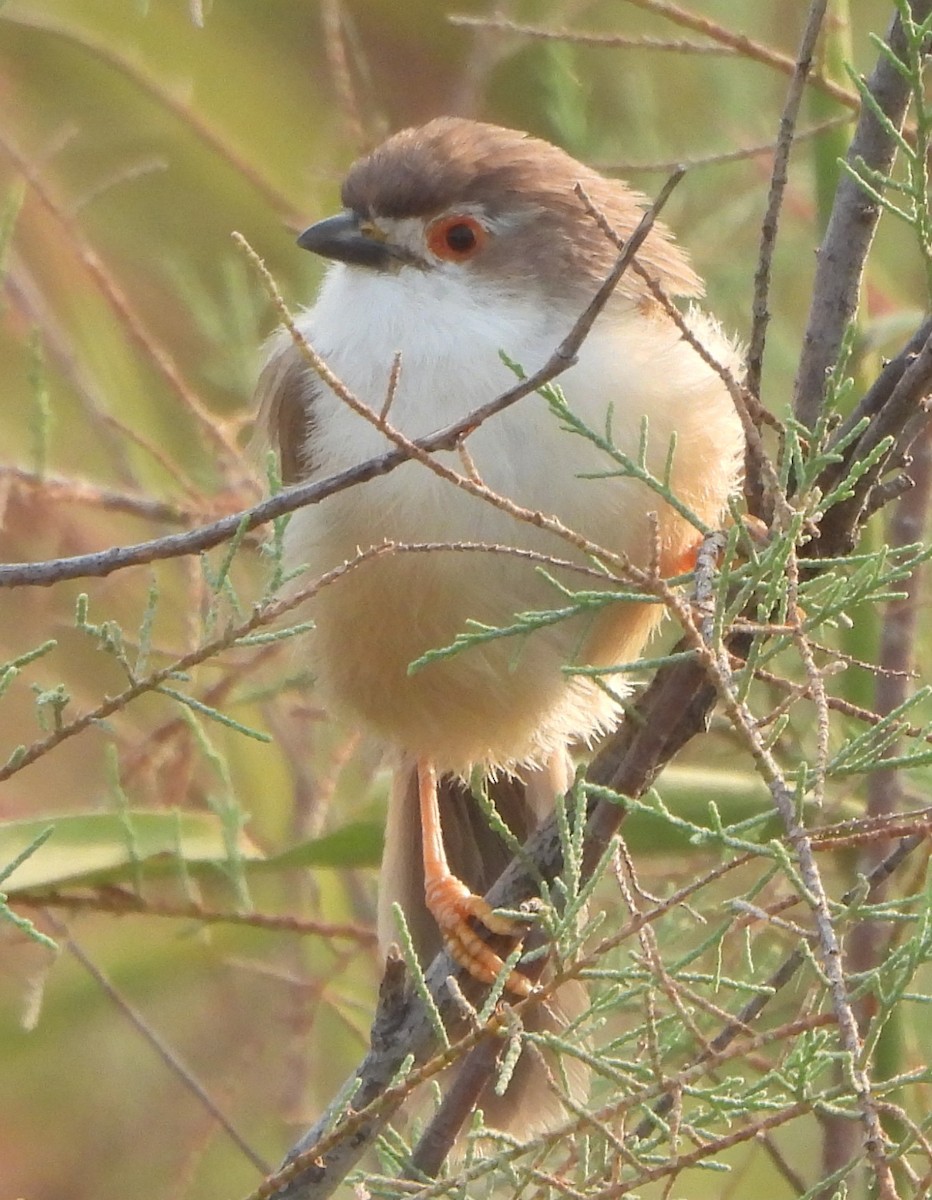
x,y
450,161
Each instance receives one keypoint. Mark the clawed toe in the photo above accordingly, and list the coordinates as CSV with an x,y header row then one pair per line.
x,y
453,906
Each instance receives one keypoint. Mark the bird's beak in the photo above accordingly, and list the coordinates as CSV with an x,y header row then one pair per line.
x,y
349,238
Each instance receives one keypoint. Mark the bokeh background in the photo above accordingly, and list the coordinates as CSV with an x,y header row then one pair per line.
x,y
134,139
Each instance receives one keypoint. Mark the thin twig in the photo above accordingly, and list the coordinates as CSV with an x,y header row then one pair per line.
x,y
165,1052
263,615
693,162
189,116
105,562
743,45
214,432
331,19
120,902
719,670
61,490
785,972
576,37
751,414
904,415
778,179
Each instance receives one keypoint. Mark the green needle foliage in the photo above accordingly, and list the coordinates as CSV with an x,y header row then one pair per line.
x,y
187,837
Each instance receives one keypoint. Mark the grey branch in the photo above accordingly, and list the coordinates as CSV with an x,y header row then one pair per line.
x,y
116,558
628,764
851,226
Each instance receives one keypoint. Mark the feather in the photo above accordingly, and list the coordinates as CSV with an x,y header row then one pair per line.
x,y
286,392
478,855
505,705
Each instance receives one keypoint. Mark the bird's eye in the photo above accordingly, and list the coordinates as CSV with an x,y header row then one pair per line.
x,y
455,238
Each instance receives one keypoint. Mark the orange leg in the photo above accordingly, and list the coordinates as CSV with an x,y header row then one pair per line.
x,y
684,560
451,903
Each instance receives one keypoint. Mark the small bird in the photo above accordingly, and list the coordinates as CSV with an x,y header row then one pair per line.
x,y
460,245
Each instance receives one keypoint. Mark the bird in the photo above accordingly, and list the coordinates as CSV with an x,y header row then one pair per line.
x,y
462,249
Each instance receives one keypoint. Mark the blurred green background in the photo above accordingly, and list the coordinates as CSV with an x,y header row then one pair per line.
x,y
134,139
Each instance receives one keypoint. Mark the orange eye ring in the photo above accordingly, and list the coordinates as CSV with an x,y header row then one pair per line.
x,y
456,238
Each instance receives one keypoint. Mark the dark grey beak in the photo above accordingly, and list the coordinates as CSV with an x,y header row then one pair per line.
x,y
343,238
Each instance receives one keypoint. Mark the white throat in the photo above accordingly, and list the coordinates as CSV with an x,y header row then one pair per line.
x,y
448,328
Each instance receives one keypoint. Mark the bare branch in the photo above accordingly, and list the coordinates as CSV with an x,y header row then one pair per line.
x,y
692,162
675,706
778,178
851,227
612,41
105,562
121,902
161,1047
904,415
744,45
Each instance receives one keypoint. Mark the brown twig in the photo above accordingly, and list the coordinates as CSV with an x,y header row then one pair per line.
x,y
458,1103
30,301
60,490
870,943
693,162
762,476
778,180
719,670
785,972
105,562
629,764
328,1150
161,1047
189,116
263,615
121,902
486,52
611,41
904,415
742,45
285,1184
331,18
215,433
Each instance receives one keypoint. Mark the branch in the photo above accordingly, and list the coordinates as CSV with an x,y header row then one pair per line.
x,y
898,408
105,562
852,224
778,179
674,708
741,44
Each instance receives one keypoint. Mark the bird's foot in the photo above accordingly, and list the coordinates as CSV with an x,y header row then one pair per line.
x,y
452,906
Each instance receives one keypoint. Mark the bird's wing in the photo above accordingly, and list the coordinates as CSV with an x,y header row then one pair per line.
x,y
286,392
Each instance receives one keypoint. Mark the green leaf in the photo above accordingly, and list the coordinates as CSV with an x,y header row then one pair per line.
x,y
93,848
356,845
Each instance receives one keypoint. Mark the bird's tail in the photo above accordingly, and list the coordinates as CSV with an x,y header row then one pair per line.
x,y
478,855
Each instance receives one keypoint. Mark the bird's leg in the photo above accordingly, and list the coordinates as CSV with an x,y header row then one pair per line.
x,y
451,903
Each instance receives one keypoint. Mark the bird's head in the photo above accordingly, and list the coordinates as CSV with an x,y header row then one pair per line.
x,y
466,198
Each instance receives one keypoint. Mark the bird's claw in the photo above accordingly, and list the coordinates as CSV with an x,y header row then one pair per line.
x,y
452,905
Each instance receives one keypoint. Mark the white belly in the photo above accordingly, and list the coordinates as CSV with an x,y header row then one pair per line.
x,y
509,699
